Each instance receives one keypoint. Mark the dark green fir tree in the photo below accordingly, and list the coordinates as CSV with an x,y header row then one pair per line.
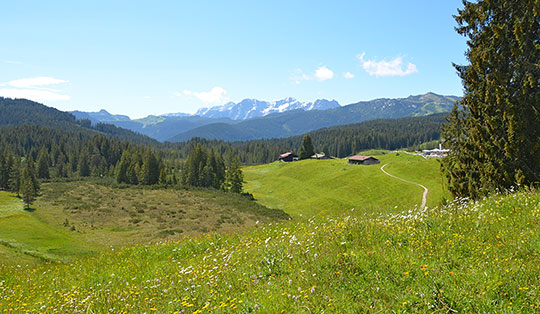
x,y
494,135
306,150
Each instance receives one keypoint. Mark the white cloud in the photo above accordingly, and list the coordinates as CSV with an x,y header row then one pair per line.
x,y
216,95
12,62
387,68
298,76
35,82
323,73
348,75
34,89
33,94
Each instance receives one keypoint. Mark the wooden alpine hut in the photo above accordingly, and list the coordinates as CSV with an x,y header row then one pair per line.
x,y
289,156
363,160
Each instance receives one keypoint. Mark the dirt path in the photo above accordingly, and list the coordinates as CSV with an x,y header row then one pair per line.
x,y
424,196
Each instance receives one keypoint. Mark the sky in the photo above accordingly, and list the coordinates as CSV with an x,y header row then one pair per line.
x,y
153,57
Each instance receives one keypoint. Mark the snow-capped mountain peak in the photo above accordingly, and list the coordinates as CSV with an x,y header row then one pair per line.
x,y
251,108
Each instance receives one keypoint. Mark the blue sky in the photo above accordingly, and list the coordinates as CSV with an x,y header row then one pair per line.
x,y
153,57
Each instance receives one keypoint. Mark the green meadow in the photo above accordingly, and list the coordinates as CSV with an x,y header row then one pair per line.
x,y
313,187
89,247
466,257
76,219
27,238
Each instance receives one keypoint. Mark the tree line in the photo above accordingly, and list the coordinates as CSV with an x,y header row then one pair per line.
x,y
338,141
29,153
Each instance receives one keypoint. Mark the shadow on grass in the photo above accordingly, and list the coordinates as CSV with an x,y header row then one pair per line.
x,y
30,209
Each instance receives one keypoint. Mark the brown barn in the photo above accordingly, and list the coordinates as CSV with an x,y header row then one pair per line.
x,y
363,160
290,156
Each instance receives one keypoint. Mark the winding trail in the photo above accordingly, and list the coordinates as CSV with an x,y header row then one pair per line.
x,y
424,196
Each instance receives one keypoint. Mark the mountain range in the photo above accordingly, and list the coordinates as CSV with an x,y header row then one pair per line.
x,y
297,122
256,119
253,108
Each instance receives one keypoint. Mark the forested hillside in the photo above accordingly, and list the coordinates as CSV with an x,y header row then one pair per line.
x,y
339,141
39,142
23,111
27,112
67,140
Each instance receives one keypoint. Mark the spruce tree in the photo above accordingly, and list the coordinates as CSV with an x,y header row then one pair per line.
x,y
194,167
43,164
29,185
220,172
149,169
27,188
307,150
61,166
234,178
32,173
132,173
83,164
163,176
3,171
494,137
122,168
6,166
15,176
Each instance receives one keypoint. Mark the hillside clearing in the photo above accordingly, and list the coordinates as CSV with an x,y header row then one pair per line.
x,y
311,187
24,235
84,217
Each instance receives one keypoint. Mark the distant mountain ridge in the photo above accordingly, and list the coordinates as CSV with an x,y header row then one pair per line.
x,y
99,116
299,122
253,108
255,119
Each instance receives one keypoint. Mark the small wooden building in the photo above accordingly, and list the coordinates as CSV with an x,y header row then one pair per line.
x,y
363,160
289,156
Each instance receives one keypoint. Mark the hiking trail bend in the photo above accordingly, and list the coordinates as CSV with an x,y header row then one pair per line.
x,y
424,195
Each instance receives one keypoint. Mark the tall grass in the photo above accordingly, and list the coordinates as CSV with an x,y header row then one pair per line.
x,y
467,257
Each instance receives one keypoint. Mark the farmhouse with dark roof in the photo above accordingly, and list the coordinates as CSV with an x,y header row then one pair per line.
x,y
289,156
363,160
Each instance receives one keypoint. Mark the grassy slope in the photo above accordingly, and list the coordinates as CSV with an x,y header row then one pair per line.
x,y
80,218
419,170
113,216
23,232
311,187
467,258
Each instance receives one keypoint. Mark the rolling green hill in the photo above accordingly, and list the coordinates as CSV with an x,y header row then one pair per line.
x,y
312,187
